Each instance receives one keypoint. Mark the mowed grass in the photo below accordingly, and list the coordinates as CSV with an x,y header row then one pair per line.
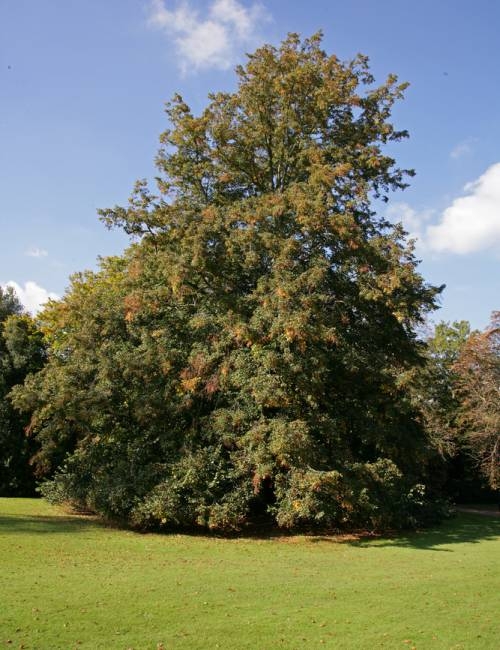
x,y
70,582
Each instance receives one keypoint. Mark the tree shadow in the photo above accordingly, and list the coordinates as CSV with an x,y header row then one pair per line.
x,y
458,529
43,524
461,529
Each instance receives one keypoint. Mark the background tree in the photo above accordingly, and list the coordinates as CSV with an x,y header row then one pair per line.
x,y
436,395
478,384
246,356
21,352
435,384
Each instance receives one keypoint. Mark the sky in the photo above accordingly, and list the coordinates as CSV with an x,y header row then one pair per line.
x,y
82,92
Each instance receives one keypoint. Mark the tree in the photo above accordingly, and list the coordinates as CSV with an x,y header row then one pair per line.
x,y
436,395
9,303
246,354
435,384
21,352
478,383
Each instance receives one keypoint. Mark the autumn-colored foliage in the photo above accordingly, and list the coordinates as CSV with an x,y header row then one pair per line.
x,y
247,355
478,385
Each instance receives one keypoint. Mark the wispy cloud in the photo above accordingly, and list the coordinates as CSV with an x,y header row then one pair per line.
x,y
463,148
472,222
414,221
32,296
36,252
213,38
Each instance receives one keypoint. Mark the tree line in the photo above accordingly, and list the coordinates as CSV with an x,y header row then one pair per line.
x,y
255,352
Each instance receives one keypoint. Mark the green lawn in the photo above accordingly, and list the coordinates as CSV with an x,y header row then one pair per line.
x,y
68,582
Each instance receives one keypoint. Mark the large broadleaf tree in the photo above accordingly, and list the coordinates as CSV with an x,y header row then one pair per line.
x,y
247,356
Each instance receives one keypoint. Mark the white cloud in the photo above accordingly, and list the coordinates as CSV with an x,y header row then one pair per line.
x,y
413,221
32,296
463,148
472,222
213,40
36,252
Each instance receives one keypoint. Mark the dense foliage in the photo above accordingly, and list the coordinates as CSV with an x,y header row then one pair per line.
x,y
250,354
478,387
457,393
21,352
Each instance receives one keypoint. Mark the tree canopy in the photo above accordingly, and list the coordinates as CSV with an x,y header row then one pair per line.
x,y
248,355
21,352
478,387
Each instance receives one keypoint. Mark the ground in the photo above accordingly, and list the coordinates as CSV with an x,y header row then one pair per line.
x,y
70,582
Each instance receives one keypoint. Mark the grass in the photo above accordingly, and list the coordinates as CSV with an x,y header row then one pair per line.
x,y
70,582
491,507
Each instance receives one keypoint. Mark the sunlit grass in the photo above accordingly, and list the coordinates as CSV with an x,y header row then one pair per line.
x,y
69,582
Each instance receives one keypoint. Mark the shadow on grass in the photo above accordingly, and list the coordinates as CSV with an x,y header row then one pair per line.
x,y
462,529
15,524
459,529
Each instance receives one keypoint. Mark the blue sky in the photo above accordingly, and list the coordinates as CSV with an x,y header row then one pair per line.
x,y
82,88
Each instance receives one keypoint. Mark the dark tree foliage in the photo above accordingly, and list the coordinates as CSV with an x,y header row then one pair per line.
x,y
21,352
457,393
248,356
435,385
478,388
